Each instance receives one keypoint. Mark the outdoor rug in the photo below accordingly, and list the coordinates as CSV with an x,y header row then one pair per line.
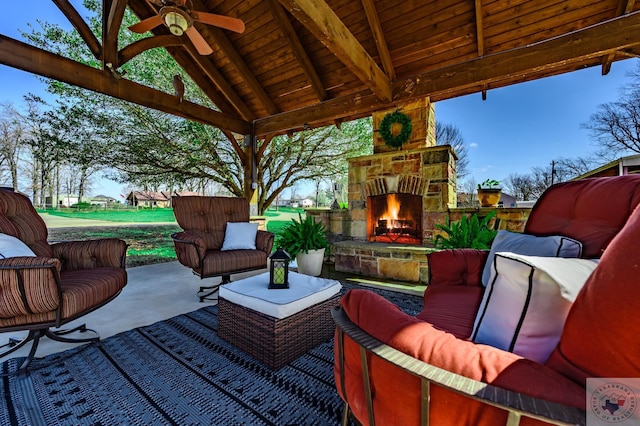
x,y
175,372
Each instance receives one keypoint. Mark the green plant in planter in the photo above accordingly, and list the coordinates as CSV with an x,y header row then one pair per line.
x,y
302,236
466,233
489,184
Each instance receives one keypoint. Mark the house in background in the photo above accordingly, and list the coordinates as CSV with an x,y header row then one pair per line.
x,y
622,166
102,200
161,199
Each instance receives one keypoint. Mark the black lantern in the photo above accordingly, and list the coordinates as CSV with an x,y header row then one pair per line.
x,y
279,271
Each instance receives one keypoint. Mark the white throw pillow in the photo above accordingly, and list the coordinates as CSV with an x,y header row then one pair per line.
x,y
11,246
530,245
527,301
240,236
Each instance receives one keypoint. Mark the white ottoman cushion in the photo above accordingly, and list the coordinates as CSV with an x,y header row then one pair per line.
x,y
304,291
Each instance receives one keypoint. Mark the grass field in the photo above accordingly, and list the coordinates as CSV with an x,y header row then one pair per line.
x,y
149,237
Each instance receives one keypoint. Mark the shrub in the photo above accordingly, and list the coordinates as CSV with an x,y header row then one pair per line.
x,y
466,233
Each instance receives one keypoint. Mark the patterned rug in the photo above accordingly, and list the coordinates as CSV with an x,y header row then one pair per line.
x,y
175,372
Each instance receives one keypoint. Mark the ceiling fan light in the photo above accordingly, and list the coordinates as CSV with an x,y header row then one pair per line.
x,y
176,23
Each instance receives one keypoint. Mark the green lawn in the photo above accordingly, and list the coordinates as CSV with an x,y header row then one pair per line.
x,y
129,215
149,242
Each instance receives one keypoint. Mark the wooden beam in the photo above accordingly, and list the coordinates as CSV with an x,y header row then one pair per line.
x,y
32,59
78,23
522,63
378,36
479,27
298,49
325,25
207,67
184,59
137,47
112,14
243,69
480,38
237,61
624,7
211,82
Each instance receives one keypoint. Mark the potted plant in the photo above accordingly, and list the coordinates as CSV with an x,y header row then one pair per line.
x,y
489,193
306,241
466,233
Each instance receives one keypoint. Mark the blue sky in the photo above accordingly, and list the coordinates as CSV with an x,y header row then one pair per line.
x,y
515,129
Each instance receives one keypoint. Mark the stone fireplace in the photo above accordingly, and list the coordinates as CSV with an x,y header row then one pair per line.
x,y
396,196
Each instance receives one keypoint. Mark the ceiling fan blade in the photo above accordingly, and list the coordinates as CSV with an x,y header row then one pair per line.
x,y
198,41
146,24
226,22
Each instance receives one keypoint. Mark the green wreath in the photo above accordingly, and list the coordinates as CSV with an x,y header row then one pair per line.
x,y
385,128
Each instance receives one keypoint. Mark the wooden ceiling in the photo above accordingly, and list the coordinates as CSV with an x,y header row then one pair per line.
x,y
307,63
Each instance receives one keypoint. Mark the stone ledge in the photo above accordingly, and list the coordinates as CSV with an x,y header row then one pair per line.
x,y
394,261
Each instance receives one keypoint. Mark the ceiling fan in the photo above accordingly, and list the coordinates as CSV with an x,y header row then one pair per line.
x,y
179,18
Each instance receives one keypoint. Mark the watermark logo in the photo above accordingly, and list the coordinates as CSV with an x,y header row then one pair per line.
x,y
613,401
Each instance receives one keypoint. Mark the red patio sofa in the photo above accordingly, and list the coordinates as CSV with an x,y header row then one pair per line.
x,y
600,337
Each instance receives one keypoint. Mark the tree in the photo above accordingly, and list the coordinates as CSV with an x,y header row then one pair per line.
x,y
12,135
448,134
158,150
616,125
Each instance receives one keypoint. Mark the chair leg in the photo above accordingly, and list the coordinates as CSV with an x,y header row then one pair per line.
x,y
15,344
35,335
58,335
345,414
214,289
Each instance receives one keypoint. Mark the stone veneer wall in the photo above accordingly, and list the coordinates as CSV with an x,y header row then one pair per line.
x,y
405,263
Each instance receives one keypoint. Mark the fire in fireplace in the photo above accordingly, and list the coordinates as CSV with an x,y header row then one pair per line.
x,y
395,218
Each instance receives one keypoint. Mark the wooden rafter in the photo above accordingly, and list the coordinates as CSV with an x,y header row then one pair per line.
x,y
183,58
624,7
443,83
480,37
34,60
243,69
237,61
114,12
211,71
299,51
378,36
134,49
325,25
83,29
203,65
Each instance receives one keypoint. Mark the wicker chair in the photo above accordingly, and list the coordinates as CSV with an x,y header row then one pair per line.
x,y
204,221
53,284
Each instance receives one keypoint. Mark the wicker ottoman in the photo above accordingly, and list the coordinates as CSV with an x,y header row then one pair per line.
x,y
277,326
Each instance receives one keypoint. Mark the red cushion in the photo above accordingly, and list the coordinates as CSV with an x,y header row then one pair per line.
x,y
457,267
452,308
578,210
600,336
397,394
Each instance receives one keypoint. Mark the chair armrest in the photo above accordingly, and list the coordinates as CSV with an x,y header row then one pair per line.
x,y
264,241
89,254
457,267
29,285
190,248
479,376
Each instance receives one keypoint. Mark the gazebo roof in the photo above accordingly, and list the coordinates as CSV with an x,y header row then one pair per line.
x,y
303,63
